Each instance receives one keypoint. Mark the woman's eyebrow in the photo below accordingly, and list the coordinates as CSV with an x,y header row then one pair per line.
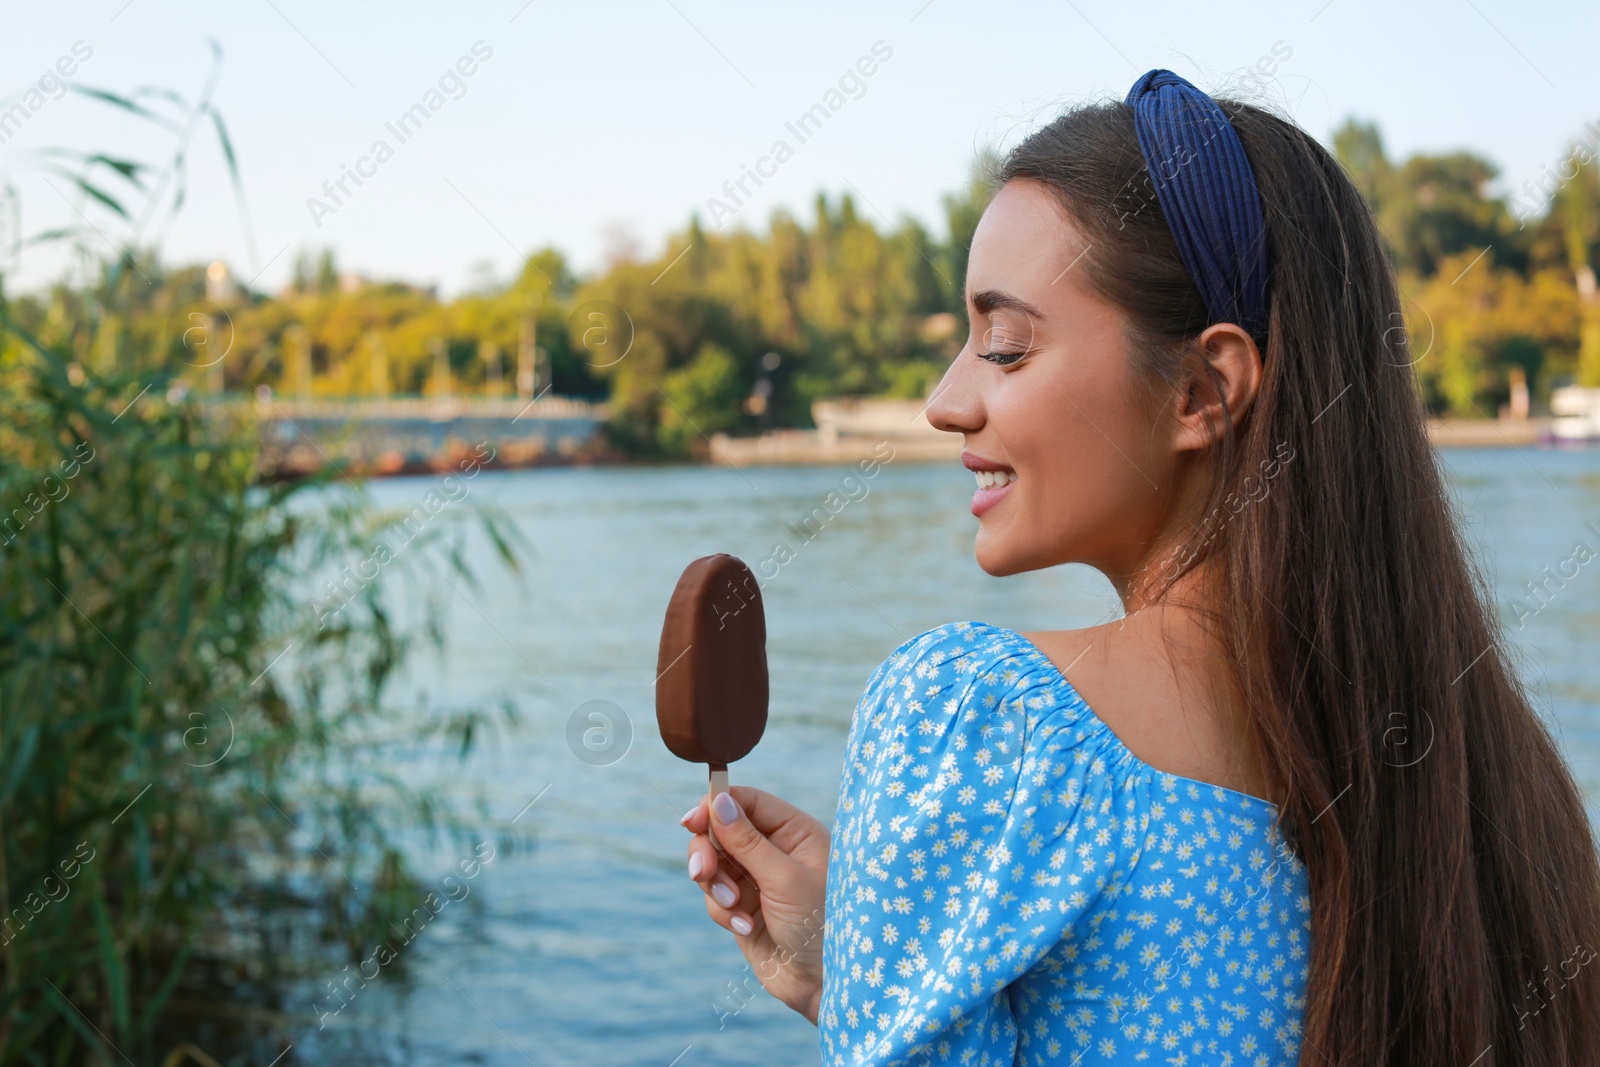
x,y
987,300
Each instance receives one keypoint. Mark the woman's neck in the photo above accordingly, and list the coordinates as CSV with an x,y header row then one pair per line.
x,y
1166,682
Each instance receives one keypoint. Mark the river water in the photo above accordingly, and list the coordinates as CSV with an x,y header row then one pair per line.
x,y
590,946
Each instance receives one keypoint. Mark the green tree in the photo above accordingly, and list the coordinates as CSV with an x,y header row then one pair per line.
x,y
961,214
1430,206
1576,211
704,398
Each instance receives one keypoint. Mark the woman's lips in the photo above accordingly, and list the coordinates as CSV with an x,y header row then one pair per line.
x,y
995,480
992,487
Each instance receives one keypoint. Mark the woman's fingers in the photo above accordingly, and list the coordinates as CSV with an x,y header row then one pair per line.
x,y
704,860
720,881
736,920
747,849
786,825
694,820
788,829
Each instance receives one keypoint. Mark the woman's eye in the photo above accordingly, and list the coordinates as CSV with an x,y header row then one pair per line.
x,y
1001,359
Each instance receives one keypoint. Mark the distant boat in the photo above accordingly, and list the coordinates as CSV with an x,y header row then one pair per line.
x,y
1576,412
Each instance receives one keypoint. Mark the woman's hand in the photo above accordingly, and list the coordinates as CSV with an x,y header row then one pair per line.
x,y
767,887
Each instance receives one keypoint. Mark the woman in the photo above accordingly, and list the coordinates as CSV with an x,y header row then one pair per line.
x,y
1294,806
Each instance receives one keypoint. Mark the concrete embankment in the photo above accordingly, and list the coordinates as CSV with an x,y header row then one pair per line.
x,y
414,435
848,430
1487,433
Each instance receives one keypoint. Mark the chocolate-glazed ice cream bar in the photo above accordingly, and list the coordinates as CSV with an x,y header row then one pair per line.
x,y
711,685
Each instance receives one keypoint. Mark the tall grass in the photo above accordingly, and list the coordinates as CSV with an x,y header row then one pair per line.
x,y
197,796
185,815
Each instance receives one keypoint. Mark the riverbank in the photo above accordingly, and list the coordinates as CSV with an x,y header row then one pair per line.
x,y
848,431
417,435
422,436
1488,433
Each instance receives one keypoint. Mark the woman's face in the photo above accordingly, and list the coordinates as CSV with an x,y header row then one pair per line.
x,y
1086,466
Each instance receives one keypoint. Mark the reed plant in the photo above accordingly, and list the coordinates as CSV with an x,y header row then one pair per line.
x,y
197,786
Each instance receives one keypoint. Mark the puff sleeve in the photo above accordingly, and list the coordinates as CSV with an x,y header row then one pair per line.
x,y
975,824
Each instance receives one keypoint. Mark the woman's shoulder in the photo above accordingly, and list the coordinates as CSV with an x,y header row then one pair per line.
x,y
970,834
977,679
966,737
974,677
1156,684
969,640
971,649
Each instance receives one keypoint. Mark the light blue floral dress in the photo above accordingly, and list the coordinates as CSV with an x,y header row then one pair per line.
x,y
1009,884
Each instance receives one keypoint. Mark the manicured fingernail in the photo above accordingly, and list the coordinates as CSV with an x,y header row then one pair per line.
x,y
695,863
688,815
740,924
726,807
724,894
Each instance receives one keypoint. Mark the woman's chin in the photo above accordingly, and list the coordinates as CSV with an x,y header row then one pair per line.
x,y
995,557
1000,552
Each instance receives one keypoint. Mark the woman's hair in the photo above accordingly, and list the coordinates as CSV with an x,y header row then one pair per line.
x,y
1453,876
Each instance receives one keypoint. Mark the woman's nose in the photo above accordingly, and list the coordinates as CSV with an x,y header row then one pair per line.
x,y
955,405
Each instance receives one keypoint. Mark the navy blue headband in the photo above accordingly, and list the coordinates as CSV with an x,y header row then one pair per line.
x,y
1207,191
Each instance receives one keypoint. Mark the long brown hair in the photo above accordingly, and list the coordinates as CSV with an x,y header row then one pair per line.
x,y
1453,875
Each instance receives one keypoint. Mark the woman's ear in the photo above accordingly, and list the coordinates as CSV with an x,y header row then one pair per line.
x,y
1228,368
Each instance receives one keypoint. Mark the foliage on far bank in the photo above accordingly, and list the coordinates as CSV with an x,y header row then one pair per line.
x,y
738,331
733,331
1492,284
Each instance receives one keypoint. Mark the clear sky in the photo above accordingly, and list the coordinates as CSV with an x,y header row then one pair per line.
x,y
583,125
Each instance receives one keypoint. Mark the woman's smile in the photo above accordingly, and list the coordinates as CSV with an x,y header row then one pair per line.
x,y
994,481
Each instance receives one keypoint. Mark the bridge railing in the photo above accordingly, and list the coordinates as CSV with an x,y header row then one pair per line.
x,y
438,409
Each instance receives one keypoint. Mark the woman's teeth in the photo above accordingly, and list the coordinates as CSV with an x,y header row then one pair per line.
x,y
995,479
